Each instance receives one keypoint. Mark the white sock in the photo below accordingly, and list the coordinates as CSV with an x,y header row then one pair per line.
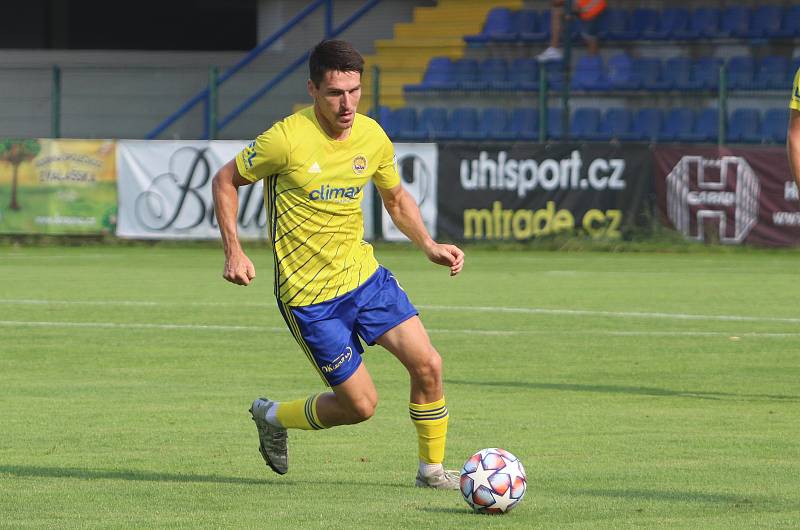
x,y
427,470
271,418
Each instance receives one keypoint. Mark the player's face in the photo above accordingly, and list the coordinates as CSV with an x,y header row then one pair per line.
x,y
335,101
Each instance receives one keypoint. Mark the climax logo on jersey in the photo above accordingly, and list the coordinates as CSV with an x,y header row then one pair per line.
x,y
329,193
359,164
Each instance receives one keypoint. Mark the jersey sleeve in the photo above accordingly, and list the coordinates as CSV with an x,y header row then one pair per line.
x,y
794,103
266,155
386,176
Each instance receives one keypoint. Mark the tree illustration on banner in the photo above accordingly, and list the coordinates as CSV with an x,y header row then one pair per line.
x,y
15,152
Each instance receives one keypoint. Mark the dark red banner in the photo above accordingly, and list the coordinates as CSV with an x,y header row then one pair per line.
x,y
733,195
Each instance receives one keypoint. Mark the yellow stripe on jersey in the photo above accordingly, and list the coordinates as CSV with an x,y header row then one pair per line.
x,y
794,103
313,187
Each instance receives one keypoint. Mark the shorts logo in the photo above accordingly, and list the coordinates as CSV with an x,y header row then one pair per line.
x,y
338,361
359,164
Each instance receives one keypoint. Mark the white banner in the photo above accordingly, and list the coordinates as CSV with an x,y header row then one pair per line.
x,y
164,190
418,165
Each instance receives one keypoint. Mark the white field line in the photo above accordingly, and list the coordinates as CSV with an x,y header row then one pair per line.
x,y
272,329
474,309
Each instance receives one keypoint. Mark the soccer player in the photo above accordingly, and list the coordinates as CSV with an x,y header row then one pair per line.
x,y
330,289
793,134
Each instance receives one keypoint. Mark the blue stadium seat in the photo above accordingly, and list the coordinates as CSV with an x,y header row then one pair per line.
x,y
494,74
525,123
706,127
524,74
621,73
467,75
744,126
589,74
530,27
405,123
703,23
677,124
554,70
790,73
790,22
555,123
740,72
439,75
585,123
615,25
775,124
679,74
705,72
735,22
386,120
615,124
643,20
672,24
766,22
645,126
771,73
432,123
499,26
464,124
649,74
495,124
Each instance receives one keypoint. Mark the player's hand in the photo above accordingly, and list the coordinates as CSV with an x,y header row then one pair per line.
x,y
447,255
239,269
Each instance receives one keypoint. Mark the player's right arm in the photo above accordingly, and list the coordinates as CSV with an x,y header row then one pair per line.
x,y
793,144
225,189
793,133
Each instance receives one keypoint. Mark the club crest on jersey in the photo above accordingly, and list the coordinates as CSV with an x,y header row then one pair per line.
x,y
359,164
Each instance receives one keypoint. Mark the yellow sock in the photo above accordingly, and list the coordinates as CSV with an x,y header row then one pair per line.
x,y
430,420
299,414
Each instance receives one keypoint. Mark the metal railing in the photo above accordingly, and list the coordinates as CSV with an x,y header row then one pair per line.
x,y
209,95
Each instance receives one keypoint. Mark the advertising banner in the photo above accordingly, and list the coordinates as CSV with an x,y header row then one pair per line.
x,y
520,192
418,168
730,195
165,191
57,186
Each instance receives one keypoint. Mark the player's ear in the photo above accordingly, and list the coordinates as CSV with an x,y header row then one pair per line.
x,y
311,88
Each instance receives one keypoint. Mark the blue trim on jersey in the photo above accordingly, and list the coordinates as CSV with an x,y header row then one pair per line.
x,y
329,332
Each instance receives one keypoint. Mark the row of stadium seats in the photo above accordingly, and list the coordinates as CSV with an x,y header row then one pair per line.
x,y
745,125
620,72
672,23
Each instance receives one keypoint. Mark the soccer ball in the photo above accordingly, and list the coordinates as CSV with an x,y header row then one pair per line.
x,y
493,481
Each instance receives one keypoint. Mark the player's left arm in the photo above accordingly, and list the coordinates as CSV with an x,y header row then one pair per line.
x,y
793,144
405,213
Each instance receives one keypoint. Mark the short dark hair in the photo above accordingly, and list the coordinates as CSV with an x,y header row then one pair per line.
x,y
333,55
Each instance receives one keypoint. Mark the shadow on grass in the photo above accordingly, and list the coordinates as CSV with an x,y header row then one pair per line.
x,y
638,390
152,476
671,496
128,474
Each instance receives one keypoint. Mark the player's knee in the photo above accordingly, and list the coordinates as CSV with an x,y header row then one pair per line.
x,y
363,409
429,369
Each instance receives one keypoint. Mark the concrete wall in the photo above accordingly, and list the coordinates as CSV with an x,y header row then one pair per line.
x,y
125,94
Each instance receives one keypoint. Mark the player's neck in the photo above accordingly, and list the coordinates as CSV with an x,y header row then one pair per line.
x,y
333,132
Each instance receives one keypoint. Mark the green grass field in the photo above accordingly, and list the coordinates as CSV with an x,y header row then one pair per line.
x,y
640,390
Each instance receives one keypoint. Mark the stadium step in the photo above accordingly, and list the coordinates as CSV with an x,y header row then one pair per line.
x,y
435,31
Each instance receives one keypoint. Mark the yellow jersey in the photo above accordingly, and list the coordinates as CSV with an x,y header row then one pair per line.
x,y
313,187
794,103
